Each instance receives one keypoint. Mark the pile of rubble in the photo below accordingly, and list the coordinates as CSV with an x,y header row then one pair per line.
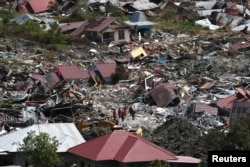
x,y
169,75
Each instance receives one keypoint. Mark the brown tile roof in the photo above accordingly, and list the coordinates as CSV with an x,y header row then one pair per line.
x,y
98,25
163,94
244,44
206,108
106,69
72,72
71,26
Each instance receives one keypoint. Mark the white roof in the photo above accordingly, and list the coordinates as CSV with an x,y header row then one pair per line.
x,y
66,133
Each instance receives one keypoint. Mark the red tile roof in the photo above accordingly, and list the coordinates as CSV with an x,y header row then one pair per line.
x,y
106,69
186,159
227,103
71,72
39,5
121,146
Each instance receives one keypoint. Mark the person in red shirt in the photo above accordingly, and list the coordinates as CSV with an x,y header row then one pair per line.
x,y
116,121
122,115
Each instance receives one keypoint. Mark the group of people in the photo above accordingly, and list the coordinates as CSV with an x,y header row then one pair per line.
x,y
121,113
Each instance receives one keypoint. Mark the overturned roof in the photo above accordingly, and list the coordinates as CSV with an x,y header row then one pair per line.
x,y
122,146
52,78
163,94
138,18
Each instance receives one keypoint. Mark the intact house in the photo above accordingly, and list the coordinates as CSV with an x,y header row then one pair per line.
x,y
104,30
121,148
65,133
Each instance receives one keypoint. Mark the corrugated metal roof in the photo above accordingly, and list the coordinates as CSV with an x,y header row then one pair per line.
x,y
206,108
23,18
106,69
163,94
39,5
144,5
121,146
66,133
240,109
98,1
71,26
72,72
207,5
52,78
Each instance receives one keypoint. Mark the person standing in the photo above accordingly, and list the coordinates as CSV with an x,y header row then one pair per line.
x,y
114,114
125,110
122,115
133,114
119,112
116,121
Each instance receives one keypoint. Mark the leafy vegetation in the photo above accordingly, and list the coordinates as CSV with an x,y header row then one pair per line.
x,y
158,163
6,104
236,137
40,150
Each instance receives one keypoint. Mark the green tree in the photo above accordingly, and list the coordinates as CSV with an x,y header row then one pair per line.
x,y
158,163
40,150
235,137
